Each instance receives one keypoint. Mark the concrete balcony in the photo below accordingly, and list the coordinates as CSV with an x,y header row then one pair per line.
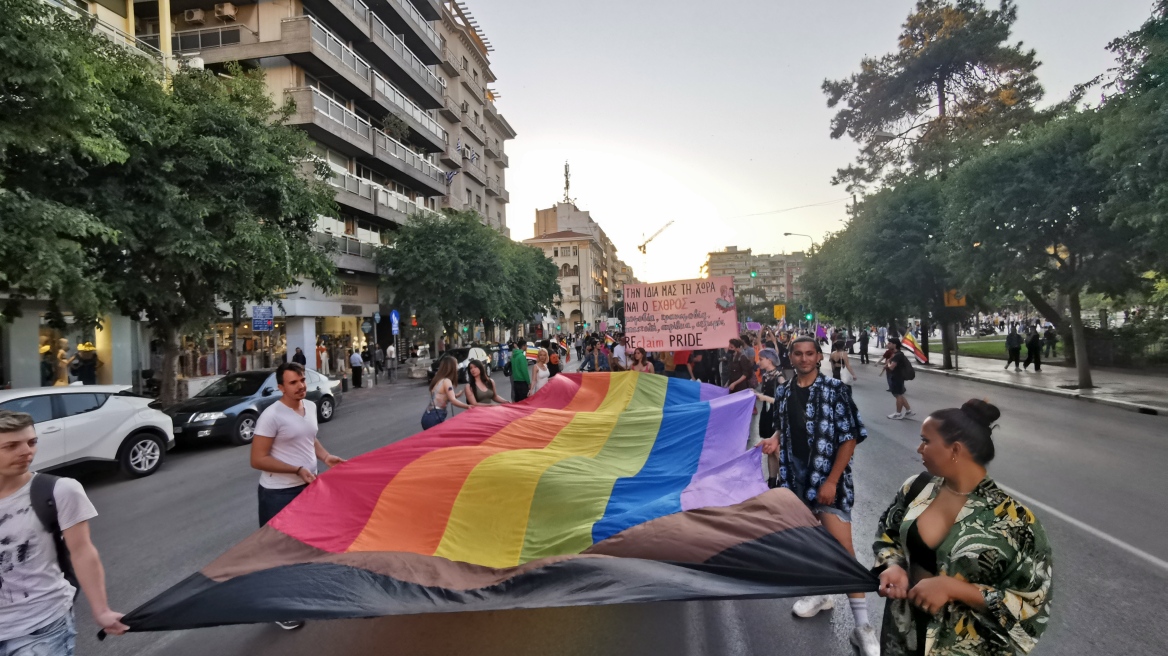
x,y
451,157
390,55
353,192
493,187
404,19
476,130
503,160
504,196
406,166
472,169
348,18
452,69
348,253
450,109
303,40
475,87
430,9
423,128
331,123
493,148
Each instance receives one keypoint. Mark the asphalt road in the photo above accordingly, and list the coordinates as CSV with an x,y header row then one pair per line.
x,y
1093,469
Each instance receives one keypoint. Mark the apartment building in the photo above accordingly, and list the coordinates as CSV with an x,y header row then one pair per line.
x,y
777,275
591,273
473,155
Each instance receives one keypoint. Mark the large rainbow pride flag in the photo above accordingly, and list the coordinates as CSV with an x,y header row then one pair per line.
x,y
602,488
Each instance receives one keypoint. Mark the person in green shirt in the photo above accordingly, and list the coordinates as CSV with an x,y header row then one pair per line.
x,y
520,373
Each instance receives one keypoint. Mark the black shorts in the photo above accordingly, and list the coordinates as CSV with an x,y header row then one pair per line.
x,y
896,385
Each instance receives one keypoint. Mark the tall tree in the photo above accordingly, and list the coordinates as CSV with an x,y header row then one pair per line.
x,y
1030,212
953,84
55,77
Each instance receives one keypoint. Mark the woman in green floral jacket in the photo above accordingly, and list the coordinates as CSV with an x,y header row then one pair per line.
x,y
965,567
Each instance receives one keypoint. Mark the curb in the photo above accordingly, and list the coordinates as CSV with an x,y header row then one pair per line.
x,y
1140,408
1067,394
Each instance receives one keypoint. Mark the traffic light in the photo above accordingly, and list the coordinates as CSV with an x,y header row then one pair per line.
x,y
465,328
753,273
557,327
809,316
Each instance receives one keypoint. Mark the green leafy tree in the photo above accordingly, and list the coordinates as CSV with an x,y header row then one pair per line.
x,y
1030,212
55,77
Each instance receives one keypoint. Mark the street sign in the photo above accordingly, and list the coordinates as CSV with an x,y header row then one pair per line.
x,y
261,318
780,312
366,327
395,321
954,298
376,317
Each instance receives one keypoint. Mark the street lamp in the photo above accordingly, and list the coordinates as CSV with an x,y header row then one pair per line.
x,y
799,234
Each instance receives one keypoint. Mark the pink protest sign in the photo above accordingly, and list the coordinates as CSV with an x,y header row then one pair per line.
x,y
681,315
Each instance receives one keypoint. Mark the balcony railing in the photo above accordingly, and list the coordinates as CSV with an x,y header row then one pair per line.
x,y
399,202
81,10
385,88
358,7
493,187
406,7
353,184
339,113
399,150
470,82
351,60
412,62
192,41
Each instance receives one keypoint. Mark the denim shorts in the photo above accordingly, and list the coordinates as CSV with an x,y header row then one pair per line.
x,y
273,500
57,638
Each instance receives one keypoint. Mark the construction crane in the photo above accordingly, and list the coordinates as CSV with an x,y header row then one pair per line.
x,y
654,236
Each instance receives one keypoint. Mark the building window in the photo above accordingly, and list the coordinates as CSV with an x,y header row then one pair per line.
x,y
468,197
555,252
575,290
575,250
478,201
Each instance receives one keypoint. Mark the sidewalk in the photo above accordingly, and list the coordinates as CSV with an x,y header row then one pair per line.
x,y
1145,393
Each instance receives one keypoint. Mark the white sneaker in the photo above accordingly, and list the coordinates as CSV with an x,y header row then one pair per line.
x,y
909,413
865,639
810,606
290,626
896,415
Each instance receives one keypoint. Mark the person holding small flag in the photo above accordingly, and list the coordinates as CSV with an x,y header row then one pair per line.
x,y
895,367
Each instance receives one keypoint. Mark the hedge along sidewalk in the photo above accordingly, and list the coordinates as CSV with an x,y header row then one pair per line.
x,y
1147,394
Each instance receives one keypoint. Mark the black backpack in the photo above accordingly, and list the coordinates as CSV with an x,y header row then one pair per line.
x,y
45,507
908,372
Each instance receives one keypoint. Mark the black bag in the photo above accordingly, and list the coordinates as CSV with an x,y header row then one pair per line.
x,y
45,507
906,370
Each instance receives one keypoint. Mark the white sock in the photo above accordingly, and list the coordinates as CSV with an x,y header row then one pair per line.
x,y
859,610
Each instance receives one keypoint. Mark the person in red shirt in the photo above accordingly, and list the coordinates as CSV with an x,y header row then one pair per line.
x,y
683,367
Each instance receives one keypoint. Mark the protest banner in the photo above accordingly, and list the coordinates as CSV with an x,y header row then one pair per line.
x,y
681,315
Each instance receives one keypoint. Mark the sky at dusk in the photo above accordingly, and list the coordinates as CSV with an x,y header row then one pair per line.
x,y
704,112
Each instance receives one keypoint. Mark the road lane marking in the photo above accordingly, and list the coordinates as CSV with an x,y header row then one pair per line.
x,y
1106,537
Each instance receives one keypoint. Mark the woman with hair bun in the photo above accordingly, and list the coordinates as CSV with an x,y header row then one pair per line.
x,y
965,567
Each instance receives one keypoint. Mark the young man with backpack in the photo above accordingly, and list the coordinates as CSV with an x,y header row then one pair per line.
x,y
46,551
898,370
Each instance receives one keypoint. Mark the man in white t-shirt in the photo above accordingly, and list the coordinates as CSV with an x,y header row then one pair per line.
x,y
620,352
285,448
36,601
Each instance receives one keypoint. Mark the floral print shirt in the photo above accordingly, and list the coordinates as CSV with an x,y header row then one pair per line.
x,y
832,419
997,545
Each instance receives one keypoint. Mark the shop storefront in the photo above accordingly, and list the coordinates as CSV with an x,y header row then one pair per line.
x,y
38,352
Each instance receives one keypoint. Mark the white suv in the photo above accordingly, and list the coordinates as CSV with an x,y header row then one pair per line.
x,y
94,422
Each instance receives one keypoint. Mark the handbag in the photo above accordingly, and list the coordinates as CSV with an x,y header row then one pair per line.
x,y
432,417
846,377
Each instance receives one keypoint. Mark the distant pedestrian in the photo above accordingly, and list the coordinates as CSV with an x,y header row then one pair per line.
x,y
840,362
817,430
45,551
520,374
881,337
864,337
285,449
594,358
299,358
1051,341
741,374
541,371
357,364
379,360
683,365
965,567
1013,348
895,366
1033,349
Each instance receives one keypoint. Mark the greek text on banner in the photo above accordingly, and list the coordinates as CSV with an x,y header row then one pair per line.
x,y
681,315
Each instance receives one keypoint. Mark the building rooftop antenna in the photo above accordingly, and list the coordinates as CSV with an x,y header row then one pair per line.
x,y
568,184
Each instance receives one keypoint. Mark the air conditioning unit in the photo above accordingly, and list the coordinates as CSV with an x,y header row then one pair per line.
x,y
225,11
193,16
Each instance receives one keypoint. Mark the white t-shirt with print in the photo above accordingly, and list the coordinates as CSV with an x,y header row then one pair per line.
x,y
294,441
33,591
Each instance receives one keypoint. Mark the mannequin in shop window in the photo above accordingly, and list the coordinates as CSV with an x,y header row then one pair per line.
x,y
62,362
322,358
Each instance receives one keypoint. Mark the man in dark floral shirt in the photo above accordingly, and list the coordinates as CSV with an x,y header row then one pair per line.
x,y
818,429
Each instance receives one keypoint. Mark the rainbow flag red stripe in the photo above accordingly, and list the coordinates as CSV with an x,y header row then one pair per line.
x,y
911,342
646,470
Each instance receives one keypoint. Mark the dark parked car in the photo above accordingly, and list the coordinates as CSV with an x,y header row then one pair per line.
x,y
230,406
